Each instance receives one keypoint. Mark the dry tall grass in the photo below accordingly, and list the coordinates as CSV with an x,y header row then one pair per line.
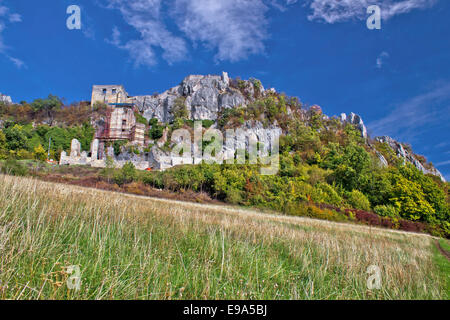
x,y
130,247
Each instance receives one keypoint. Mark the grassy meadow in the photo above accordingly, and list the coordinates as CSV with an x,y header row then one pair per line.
x,y
131,247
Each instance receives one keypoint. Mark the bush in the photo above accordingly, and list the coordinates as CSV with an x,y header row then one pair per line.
x,y
330,194
24,155
153,122
140,118
387,211
233,196
14,167
39,153
207,123
358,200
156,132
301,210
117,145
125,175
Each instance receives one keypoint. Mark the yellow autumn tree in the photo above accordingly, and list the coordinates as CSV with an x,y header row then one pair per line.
x,y
39,153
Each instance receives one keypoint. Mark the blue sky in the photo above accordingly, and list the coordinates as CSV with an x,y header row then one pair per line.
x,y
396,78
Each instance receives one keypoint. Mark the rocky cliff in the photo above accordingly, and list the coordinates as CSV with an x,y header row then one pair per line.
x,y
407,156
5,99
205,97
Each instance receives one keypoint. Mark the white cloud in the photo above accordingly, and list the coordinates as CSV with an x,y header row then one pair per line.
x,y
332,11
146,18
15,17
416,115
19,63
235,28
443,163
7,17
381,59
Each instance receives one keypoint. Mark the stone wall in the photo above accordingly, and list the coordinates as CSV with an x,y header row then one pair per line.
x,y
98,157
109,94
121,123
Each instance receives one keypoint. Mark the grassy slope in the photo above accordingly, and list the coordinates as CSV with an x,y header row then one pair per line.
x,y
130,247
443,264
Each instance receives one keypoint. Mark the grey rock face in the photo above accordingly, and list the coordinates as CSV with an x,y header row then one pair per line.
x,y
255,130
230,100
383,161
131,157
407,156
205,97
355,120
5,99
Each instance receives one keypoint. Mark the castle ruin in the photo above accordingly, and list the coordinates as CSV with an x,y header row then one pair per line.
x,y
119,125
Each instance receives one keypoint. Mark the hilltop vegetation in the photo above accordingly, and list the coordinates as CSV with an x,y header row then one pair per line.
x,y
127,247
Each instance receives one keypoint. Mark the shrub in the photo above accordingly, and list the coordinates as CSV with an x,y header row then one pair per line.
x,y
117,145
358,200
153,121
24,155
140,118
387,211
330,194
156,132
39,153
207,123
14,167
233,196
125,175
302,210
410,200
179,109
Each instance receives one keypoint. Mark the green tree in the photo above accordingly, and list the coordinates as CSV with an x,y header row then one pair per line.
x,y
179,109
156,132
108,171
39,153
16,138
3,146
358,200
409,199
48,106
349,164
126,175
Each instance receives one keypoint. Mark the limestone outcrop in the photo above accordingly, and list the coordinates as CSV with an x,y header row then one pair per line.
x,y
355,120
404,154
6,99
204,98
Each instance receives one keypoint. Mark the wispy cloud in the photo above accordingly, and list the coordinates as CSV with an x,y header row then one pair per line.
x,y
7,17
416,115
443,163
233,29
332,11
381,59
442,144
145,16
